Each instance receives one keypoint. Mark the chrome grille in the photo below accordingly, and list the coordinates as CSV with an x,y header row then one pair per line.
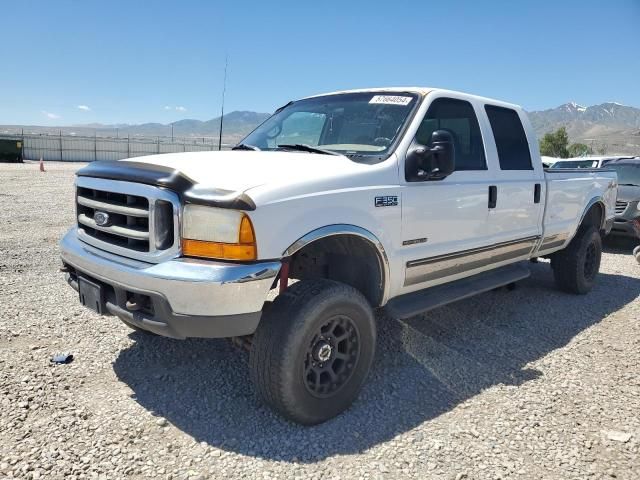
x,y
621,207
130,219
127,223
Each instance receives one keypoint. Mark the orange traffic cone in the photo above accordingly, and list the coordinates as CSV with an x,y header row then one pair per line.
x,y
41,165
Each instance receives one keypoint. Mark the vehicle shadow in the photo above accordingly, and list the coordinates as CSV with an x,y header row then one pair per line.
x,y
424,367
624,245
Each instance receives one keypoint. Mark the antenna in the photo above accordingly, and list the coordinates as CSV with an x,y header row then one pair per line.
x,y
224,88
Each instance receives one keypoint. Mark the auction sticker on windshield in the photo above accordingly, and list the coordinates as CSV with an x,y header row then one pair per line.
x,y
390,99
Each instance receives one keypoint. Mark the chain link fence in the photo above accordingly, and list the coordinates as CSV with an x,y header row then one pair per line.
x,y
73,148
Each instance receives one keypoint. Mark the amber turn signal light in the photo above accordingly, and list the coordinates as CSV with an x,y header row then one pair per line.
x,y
245,249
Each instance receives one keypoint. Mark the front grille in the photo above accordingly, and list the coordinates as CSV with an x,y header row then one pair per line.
x,y
134,220
621,207
128,221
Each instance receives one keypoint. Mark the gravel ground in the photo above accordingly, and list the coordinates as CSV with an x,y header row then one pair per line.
x,y
531,383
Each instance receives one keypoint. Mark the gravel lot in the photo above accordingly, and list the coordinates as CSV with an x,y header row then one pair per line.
x,y
531,383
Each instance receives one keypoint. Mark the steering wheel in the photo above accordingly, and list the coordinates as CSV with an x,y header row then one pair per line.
x,y
382,142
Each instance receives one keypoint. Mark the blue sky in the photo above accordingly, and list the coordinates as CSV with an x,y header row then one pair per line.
x,y
134,61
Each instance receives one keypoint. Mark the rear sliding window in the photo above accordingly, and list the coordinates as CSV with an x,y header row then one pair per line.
x,y
511,141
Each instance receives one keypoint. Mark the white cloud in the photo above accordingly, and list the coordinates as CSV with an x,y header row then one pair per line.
x,y
167,107
181,109
84,107
50,115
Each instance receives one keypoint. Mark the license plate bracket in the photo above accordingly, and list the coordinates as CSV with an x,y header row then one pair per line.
x,y
91,295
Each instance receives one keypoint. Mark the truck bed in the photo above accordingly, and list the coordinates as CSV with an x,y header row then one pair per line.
x,y
569,194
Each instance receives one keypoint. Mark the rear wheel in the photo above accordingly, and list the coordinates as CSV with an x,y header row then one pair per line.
x,y
575,268
313,350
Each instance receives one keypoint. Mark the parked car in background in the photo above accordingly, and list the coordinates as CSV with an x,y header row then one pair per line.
x,y
587,162
627,221
547,162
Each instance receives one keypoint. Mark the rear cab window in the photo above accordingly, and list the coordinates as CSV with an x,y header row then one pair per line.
x,y
510,138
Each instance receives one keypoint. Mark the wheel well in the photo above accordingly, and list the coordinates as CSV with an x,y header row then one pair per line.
x,y
345,258
593,218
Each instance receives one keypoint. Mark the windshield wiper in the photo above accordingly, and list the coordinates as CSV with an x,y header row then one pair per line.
x,y
246,146
303,147
629,184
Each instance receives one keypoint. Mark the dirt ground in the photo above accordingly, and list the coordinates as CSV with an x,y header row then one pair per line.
x,y
531,383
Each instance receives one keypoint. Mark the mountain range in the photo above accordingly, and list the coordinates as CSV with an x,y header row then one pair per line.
x,y
608,128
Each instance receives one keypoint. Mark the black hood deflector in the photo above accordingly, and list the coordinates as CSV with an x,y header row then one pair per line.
x,y
169,178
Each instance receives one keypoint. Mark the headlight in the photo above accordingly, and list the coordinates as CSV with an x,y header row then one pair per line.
x,y
220,233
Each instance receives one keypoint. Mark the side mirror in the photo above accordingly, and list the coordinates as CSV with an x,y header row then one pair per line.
x,y
431,163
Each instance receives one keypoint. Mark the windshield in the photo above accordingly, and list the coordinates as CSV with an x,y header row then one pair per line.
x,y
575,164
628,173
354,124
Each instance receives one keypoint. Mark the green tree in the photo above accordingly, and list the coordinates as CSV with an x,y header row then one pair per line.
x,y
579,150
555,144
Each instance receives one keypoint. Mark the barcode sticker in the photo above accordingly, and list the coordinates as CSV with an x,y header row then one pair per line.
x,y
390,99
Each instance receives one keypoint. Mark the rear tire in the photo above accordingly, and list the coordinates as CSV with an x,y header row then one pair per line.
x,y
576,267
312,350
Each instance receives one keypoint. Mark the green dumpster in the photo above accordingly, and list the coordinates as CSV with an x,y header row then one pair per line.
x,y
11,150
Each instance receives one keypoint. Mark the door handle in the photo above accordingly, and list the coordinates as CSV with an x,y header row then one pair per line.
x,y
537,190
493,196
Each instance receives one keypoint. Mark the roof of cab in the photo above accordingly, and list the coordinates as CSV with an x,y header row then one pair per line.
x,y
421,91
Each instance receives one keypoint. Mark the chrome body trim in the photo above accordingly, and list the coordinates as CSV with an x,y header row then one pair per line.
x,y
153,194
553,241
191,286
345,229
114,229
441,266
112,207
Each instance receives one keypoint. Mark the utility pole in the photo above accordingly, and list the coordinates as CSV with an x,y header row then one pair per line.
x,y
224,88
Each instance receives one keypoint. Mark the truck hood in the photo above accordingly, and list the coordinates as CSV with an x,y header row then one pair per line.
x,y
240,170
628,193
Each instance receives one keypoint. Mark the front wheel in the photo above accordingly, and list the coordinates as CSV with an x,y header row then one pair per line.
x,y
313,350
575,268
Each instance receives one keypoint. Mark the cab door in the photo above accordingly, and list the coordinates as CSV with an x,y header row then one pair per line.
x,y
519,186
445,227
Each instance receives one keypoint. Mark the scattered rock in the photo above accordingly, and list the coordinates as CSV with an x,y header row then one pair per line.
x,y
618,436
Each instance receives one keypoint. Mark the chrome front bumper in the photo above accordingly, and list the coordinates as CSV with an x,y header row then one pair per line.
x,y
191,288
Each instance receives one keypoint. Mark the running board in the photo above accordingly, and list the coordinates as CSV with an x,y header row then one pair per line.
x,y
415,303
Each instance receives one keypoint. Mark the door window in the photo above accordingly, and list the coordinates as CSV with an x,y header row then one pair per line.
x,y
459,119
511,141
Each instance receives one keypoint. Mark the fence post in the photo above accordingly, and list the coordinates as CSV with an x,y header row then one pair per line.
x,y
60,132
158,144
128,145
95,145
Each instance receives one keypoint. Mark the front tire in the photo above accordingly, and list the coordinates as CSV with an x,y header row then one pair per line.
x,y
576,267
313,350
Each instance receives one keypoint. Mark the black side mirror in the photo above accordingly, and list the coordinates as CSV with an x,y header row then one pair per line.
x,y
431,163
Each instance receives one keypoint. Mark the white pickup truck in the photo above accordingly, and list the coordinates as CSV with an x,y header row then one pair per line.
x,y
338,204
